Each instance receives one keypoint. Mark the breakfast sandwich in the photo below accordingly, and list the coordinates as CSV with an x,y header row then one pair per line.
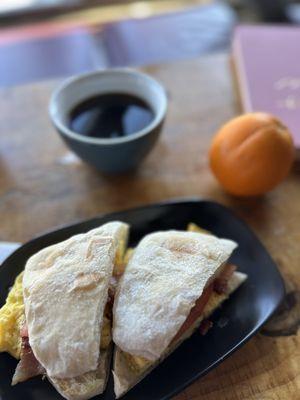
x,y
65,317
58,315
174,280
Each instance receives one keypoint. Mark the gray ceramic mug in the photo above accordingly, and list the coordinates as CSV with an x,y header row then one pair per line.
x,y
110,155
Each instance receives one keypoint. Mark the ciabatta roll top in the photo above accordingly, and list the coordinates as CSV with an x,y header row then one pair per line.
x,y
166,275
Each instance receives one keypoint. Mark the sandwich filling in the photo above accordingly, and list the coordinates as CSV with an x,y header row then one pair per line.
x,y
218,287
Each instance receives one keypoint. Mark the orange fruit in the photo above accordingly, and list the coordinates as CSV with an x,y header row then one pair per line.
x,y
251,154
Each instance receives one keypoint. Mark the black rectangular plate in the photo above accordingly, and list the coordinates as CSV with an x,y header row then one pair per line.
x,y
245,312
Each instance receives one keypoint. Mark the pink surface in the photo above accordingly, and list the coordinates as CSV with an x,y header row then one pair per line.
x,y
267,61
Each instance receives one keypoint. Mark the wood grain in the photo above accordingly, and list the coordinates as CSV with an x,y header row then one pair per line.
x,y
42,185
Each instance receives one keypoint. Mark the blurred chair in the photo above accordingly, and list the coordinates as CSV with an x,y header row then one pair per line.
x,y
43,58
51,53
170,37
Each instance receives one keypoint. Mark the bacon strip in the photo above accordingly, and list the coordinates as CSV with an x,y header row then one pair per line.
x,y
24,331
221,283
205,326
196,311
28,366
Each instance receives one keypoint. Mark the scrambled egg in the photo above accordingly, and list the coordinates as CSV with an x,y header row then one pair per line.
x,y
105,333
136,364
12,319
195,228
121,249
121,262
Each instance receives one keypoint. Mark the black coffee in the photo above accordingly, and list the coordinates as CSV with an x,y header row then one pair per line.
x,y
110,115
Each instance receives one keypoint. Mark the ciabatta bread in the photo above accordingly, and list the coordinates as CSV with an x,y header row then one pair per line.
x,y
65,288
162,281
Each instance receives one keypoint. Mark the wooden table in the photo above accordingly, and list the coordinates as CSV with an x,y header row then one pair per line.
x,y
42,185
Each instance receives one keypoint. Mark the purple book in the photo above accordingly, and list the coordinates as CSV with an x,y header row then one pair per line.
x,y
267,65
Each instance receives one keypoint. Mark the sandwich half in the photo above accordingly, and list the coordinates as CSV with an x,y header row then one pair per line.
x,y
67,324
172,283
